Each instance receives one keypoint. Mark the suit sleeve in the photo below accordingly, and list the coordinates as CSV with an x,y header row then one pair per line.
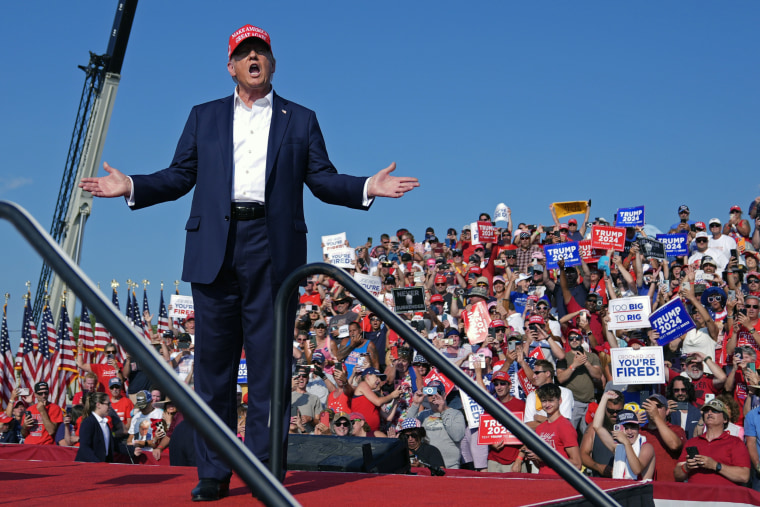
x,y
86,450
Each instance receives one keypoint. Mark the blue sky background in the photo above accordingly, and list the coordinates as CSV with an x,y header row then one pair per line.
x,y
625,103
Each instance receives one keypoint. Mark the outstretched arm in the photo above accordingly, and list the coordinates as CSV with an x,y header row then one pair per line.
x,y
383,184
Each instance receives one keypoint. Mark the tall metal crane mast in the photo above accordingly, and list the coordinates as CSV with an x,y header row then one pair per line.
x,y
102,76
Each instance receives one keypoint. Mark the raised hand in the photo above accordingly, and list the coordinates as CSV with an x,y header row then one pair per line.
x,y
383,184
116,184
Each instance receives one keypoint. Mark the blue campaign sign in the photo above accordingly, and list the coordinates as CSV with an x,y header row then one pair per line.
x,y
675,244
630,217
242,372
671,321
568,251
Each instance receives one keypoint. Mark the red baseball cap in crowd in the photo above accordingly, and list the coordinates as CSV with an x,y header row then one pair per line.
x,y
700,226
190,316
572,221
242,34
474,270
735,208
440,279
501,375
498,323
536,319
436,298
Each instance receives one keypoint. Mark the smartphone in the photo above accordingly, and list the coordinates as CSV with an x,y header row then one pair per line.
x,y
752,367
369,240
682,405
511,346
617,427
24,391
709,397
692,452
429,391
734,253
731,294
325,417
27,414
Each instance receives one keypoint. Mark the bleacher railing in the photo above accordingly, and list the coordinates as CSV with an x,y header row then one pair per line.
x,y
266,486
491,405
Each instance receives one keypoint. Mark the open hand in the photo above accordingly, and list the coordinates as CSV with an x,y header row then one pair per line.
x,y
385,185
116,184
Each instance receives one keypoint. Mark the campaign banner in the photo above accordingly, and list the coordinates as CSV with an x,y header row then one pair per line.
x,y
606,238
181,306
643,366
492,432
434,374
342,257
242,372
333,242
537,353
671,321
501,214
589,254
486,232
675,244
476,322
652,249
472,411
474,234
630,217
371,284
409,299
569,251
563,209
629,313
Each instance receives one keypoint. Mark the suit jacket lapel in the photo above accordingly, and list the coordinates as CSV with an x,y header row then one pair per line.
x,y
224,124
280,117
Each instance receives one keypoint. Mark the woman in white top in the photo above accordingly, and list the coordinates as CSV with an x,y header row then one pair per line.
x,y
634,457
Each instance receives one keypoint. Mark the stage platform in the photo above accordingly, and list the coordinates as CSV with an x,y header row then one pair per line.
x,y
63,482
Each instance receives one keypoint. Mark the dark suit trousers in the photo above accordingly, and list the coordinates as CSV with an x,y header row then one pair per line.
x,y
236,311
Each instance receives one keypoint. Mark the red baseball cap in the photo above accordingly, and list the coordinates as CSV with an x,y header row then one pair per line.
x,y
476,270
440,279
436,298
536,319
572,221
242,34
497,323
735,208
700,225
501,375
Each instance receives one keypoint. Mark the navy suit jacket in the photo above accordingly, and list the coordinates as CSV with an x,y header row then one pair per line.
x,y
92,447
296,155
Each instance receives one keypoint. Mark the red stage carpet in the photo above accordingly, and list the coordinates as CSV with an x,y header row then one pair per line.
x,y
64,482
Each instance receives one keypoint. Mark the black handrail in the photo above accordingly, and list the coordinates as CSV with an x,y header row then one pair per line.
x,y
266,487
566,470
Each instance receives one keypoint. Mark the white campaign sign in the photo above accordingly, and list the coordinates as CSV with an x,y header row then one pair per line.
x,y
642,366
342,257
182,306
333,242
371,283
629,313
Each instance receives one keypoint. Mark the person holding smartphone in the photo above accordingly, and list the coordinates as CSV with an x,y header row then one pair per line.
x,y
714,457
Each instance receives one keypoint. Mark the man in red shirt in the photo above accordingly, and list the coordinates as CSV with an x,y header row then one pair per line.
x,y
89,385
105,372
501,456
42,419
704,383
120,403
667,439
719,459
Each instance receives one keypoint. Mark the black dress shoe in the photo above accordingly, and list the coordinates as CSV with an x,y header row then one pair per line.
x,y
209,490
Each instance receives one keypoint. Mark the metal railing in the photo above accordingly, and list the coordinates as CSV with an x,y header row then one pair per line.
x,y
566,470
266,487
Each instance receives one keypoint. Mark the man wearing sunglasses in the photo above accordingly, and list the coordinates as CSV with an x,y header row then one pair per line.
x,y
703,337
746,328
682,401
595,456
721,459
701,242
501,456
666,438
577,371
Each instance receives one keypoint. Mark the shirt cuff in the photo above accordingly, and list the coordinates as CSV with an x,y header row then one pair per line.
x,y
131,199
366,201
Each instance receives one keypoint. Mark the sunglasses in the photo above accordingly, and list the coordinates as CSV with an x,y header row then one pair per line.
x,y
714,225
409,435
613,412
500,383
752,306
714,411
500,329
574,338
492,310
753,280
678,390
542,307
713,299
344,424
701,240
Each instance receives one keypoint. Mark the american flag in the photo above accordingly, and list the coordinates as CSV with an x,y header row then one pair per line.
x,y
115,301
102,338
67,370
138,320
163,317
48,342
7,375
27,359
147,329
86,337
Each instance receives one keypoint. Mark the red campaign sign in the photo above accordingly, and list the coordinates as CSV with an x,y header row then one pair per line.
x,y
588,254
440,377
525,383
476,323
486,232
537,353
491,431
608,237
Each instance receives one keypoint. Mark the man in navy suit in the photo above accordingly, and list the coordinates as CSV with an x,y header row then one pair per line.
x,y
95,439
248,156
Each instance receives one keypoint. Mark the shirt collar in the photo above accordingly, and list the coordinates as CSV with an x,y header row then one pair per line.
x,y
101,420
267,100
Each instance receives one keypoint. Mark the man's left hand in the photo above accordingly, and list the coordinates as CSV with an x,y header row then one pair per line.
x,y
383,184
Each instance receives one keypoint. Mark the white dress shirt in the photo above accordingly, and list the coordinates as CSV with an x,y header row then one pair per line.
x,y
103,421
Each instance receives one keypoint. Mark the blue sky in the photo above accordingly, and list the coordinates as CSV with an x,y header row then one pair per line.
x,y
625,103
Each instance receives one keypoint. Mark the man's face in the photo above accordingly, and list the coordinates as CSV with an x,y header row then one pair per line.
x,y
576,342
613,407
342,427
683,215
550,405
354,332
752,305
501,387
701,244
591,303
680,393
115,391
42,395
713,418
252,66
89,385
708,268
190,326
437,402
715,230
541,376
341,306
695,370
156,395
375,323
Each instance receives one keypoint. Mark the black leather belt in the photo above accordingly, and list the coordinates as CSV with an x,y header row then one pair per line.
x,y
248,210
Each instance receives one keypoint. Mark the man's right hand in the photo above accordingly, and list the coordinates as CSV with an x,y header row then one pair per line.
x,y
116,184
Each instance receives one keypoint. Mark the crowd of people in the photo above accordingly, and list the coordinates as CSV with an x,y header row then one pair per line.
x,y
546,358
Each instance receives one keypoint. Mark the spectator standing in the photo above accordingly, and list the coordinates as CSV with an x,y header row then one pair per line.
x,y
303,405
105,371
120,403
444,426
43,418
667,439
542,374
96,443
751,434
421,453
502,456
682,403
578,371
595,455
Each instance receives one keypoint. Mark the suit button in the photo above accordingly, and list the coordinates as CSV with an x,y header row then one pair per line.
x,y
226,219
